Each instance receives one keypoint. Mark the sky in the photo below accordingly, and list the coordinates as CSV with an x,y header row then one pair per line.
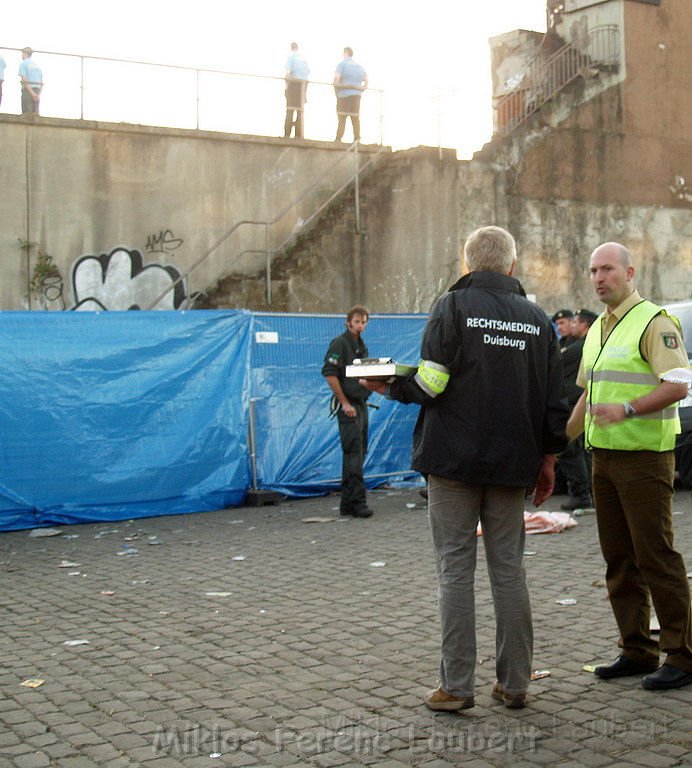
x,y
431,61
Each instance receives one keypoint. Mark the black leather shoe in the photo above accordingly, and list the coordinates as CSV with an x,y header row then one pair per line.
x,y
666,677
362,512
581,502
623,667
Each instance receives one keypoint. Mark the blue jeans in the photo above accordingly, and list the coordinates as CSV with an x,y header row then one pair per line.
x,y
455,509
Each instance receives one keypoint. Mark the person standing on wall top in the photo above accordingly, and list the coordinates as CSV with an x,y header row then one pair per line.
x,y
297,72
572,462
31,78
2,75
492,419
349,403
350,80
633,370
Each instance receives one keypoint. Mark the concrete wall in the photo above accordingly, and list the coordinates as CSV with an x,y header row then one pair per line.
x,y
555,236
123,210
108,200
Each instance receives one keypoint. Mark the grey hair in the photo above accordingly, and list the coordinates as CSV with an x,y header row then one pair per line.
x,y
490,249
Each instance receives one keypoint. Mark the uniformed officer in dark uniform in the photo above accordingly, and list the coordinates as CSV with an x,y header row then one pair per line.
x,y
563,322
574,464
351,410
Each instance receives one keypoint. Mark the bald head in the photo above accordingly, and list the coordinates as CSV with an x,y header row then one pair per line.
x,y
616,250
612,273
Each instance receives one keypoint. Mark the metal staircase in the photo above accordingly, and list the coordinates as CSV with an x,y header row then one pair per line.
x,y
596,50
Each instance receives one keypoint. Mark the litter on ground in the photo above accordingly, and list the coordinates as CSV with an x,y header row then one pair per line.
x,y
539,674
543,522
41,533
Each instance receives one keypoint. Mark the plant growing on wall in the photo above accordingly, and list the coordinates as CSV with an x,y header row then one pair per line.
x,y
45,279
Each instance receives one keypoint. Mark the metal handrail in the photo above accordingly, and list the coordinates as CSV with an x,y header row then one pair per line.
x,y
293,236
197,72
353,148
545,76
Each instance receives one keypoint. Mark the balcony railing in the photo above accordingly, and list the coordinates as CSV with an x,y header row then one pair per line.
x,y
145,93
545,76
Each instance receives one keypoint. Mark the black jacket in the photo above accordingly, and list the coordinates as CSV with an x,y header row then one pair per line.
x,y
571,357
503,407
343,350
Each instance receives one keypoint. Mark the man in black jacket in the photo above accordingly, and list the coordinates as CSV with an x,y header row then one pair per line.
x,y
573,463
492,419
351,410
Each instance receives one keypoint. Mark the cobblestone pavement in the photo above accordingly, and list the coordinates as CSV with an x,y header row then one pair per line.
x,y
251,637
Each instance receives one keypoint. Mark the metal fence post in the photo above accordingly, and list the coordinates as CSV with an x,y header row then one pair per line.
x,y
197,95
81,89
252,440
269,263
356,179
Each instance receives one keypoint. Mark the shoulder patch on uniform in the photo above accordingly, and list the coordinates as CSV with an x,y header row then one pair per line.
x,y
670,340
333,358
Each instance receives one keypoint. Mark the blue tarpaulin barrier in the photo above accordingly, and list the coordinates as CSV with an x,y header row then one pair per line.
x,y
119,415
297,443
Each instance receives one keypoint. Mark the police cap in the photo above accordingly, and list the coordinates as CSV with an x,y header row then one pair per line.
x,y
586,316
562,313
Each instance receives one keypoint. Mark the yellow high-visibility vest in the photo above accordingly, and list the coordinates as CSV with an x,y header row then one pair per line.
x,y
617,373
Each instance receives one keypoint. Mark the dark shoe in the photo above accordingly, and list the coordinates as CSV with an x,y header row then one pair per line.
x,y
362,512
581,502
623,667
665,678
510,700
424,493
441,701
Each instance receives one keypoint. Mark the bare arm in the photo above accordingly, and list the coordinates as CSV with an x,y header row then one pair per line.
x,y
545,482
27,86
575,425
665,394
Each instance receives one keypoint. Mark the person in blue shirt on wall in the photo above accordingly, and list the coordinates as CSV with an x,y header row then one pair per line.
x,y
31,78
2,75
297,72
350,80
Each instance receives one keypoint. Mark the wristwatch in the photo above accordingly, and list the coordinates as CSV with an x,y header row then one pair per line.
x,y
629,410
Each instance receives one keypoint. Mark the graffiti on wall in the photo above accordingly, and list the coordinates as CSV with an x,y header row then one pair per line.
x,y
163,242
121,281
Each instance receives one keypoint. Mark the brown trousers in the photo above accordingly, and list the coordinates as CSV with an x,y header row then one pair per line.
x,y
633,491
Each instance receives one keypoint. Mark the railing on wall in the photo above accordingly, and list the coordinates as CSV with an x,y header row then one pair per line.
x,y
545,76
166,95
270,249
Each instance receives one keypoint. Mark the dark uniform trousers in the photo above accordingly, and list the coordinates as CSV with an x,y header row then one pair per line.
x,y
353,433
575,470
633,492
